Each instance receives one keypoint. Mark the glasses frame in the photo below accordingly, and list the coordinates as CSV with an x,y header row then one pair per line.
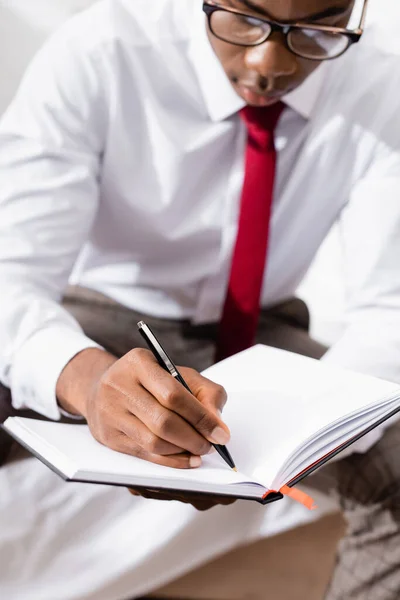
x,y
353,35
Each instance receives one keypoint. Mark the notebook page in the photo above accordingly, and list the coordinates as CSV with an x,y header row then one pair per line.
x,y
277,401
342,435
262,436
284,399
81,452
330,434
269,369
324,447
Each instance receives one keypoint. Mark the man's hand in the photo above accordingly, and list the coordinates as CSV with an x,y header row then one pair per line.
x,y
133,406
199,501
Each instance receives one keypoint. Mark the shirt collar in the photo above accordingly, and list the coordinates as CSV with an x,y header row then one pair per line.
x,y
220,98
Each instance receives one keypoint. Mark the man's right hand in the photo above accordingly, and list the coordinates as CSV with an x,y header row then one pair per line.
x,y
133,406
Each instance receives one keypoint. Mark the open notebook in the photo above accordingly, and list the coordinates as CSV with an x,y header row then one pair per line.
x,y
288,415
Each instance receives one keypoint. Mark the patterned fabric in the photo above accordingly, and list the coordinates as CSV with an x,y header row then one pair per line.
x,y
368,489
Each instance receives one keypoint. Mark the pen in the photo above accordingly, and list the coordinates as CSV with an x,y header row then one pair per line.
x,y
166,363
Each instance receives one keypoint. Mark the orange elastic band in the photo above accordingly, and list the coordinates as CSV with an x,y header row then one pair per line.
x,y
298,496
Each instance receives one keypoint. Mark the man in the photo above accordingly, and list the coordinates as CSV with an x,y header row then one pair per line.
x,y
127,170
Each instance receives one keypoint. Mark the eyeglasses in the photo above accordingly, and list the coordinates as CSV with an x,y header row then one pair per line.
x,y
314,42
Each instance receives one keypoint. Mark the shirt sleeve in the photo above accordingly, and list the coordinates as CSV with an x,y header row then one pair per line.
x,y
51,140
370,232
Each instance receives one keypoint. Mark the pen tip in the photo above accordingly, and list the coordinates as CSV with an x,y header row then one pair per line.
x,y
234,469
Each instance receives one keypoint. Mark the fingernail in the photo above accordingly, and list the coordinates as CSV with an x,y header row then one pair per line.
x,y
211,450
195,461
220,436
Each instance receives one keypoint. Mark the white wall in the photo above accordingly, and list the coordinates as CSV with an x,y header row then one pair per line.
x,y
18,40
24,25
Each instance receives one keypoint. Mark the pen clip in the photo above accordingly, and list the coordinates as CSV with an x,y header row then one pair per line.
x,y
158,351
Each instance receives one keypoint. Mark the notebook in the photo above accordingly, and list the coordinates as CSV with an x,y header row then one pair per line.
x,y
288,415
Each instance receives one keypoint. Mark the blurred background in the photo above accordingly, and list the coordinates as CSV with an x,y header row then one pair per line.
x,y
25,24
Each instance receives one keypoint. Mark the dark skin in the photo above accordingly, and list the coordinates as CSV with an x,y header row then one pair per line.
x,y
261,75
135,407
131,404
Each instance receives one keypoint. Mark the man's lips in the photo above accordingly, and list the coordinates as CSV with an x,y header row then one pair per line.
x,y
255,99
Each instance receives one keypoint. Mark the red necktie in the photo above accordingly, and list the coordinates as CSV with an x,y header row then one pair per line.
x,y
242,305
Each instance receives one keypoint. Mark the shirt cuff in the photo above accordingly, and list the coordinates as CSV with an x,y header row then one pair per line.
x,y
38,365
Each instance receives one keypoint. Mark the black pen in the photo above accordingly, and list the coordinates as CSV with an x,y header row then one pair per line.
x,y
166,363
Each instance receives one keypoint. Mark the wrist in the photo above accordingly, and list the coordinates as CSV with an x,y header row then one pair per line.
x,y
79,379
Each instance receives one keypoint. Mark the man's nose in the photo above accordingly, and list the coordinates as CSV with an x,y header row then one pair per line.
x,y
272,60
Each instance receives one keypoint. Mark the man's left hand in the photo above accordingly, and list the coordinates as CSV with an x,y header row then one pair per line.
x,y
199,501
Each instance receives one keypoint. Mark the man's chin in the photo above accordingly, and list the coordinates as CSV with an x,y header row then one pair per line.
x,y
258,100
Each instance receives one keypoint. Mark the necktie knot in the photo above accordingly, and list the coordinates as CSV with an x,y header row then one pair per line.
x,y
261,122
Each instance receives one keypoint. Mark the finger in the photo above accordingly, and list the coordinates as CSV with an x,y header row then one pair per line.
x,y
123,444
210,394
151,494
199,504
173,396
226,501
122,420
203,505
165,424
141,435
198,499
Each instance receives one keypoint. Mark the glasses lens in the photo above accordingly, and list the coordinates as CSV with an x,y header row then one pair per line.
x,y
239,29
317,45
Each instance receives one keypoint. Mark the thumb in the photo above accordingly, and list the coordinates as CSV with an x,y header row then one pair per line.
x,y
212,395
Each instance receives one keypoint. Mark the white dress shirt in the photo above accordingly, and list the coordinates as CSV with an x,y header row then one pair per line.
x,y
124,140
121,169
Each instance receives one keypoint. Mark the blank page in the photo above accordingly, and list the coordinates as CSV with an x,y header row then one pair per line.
x,y
73,450
278,400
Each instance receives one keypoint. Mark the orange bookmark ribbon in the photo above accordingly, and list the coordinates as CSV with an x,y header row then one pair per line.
x,y
298,496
